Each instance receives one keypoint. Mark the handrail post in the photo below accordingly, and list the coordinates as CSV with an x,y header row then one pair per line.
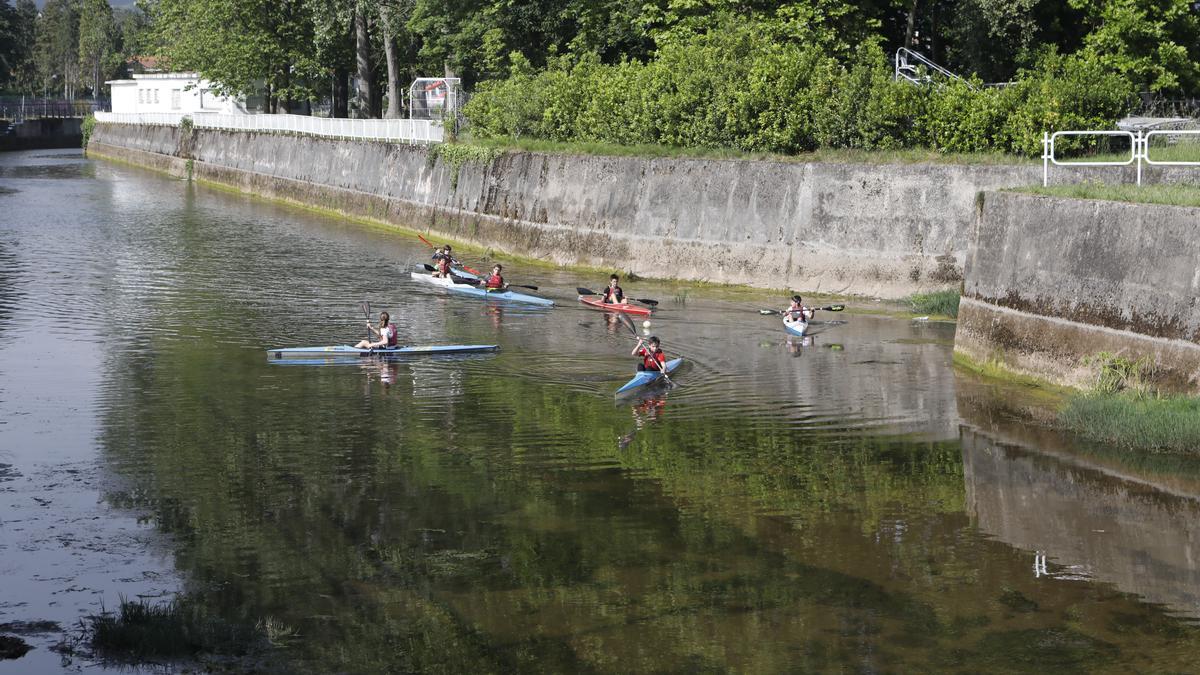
x,y
1046,154
1140,152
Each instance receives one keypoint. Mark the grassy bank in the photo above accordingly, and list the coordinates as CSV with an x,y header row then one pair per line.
x,y
833,156
1170,195
937,303
1136,420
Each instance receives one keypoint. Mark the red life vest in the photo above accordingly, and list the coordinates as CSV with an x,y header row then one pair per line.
x,y
444,266
494,281
390,333
651,360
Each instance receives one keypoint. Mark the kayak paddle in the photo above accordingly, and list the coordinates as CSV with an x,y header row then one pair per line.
x,y
366,308
830,308
456,262
628,323
644,301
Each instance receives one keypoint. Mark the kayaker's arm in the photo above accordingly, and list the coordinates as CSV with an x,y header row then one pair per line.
x,y
637,348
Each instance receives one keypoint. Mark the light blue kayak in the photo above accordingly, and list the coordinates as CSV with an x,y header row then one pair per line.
x,y
644,377
467,289
347,350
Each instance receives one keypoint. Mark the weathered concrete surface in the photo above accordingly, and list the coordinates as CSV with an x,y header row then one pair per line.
x,y
42,133
1052,281
885,230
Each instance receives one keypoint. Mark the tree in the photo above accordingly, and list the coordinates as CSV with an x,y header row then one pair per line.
x,y
57,46
16,43
237,44
97,41
1152,42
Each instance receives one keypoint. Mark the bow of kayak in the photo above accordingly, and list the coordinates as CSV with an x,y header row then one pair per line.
x,y
347,350
644,378
613,307
795,327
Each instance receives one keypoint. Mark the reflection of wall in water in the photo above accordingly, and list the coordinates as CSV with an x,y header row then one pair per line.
x,y
1142,540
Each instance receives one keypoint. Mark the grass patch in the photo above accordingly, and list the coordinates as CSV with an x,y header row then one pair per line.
x,y
140,631
1170,195
940,303
830,155
1136,420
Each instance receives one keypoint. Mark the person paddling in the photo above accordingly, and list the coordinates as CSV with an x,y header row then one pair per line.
x,y
613,295
443,268
495,282
386,332
797,311
652,355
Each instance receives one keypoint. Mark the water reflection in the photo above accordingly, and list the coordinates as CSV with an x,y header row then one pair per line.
x,y
1083,517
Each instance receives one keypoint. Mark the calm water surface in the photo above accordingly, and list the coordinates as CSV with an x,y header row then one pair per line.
x,y
848,502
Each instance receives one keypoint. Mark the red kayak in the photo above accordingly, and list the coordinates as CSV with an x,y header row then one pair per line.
x,y
610,307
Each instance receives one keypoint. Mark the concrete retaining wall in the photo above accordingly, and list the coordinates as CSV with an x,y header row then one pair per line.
x,y
885,230
1051,281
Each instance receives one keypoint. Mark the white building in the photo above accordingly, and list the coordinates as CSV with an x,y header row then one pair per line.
x,y
183,93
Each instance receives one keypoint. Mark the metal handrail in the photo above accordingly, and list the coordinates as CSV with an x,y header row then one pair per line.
x,y
902,64
1139,150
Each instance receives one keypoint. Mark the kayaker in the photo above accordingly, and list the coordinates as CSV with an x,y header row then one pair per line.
x,y
613,295
797,311
443,252
652,355
444,268
386,332
495,282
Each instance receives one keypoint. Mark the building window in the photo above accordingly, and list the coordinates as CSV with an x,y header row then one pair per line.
x,y
174,99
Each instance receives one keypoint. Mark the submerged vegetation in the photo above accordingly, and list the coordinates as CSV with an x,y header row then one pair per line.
x,y
940,303
176,630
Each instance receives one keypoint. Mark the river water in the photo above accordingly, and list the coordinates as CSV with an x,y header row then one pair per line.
x,y
846,502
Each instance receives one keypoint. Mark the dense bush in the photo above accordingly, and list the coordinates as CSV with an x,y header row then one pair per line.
x,y
735,88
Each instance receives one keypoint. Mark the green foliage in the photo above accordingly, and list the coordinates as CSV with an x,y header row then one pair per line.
x,y
940,303
1115,373
456,156
1152,42
1136,420
1173,195
86,128
732,87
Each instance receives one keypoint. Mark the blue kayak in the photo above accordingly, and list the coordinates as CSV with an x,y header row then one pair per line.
x,y
347,350
644,378
467,289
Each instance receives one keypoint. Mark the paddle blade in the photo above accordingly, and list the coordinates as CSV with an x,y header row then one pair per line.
x,y
647,301
464,280
428,267
532,288
833,308
586,291
628,323
768,312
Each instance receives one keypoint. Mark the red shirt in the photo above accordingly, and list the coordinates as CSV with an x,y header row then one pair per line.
x,y
651,360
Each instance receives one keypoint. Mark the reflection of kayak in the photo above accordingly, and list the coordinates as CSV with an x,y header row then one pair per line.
x,y
347,350
467,289
795,327
611,307
648,377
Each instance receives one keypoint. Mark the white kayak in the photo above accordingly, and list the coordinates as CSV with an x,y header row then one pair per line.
x,y
347,350
468,289
796,327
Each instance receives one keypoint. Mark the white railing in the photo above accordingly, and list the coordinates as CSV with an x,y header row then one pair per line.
x,y
908,65
162,119
1139,150
398,130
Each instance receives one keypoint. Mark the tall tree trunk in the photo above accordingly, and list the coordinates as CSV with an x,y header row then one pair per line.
x,y
393,68
912,25
341,93
366,74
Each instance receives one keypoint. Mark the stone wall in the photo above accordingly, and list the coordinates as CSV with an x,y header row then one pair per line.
x,y
1051,281
884,230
